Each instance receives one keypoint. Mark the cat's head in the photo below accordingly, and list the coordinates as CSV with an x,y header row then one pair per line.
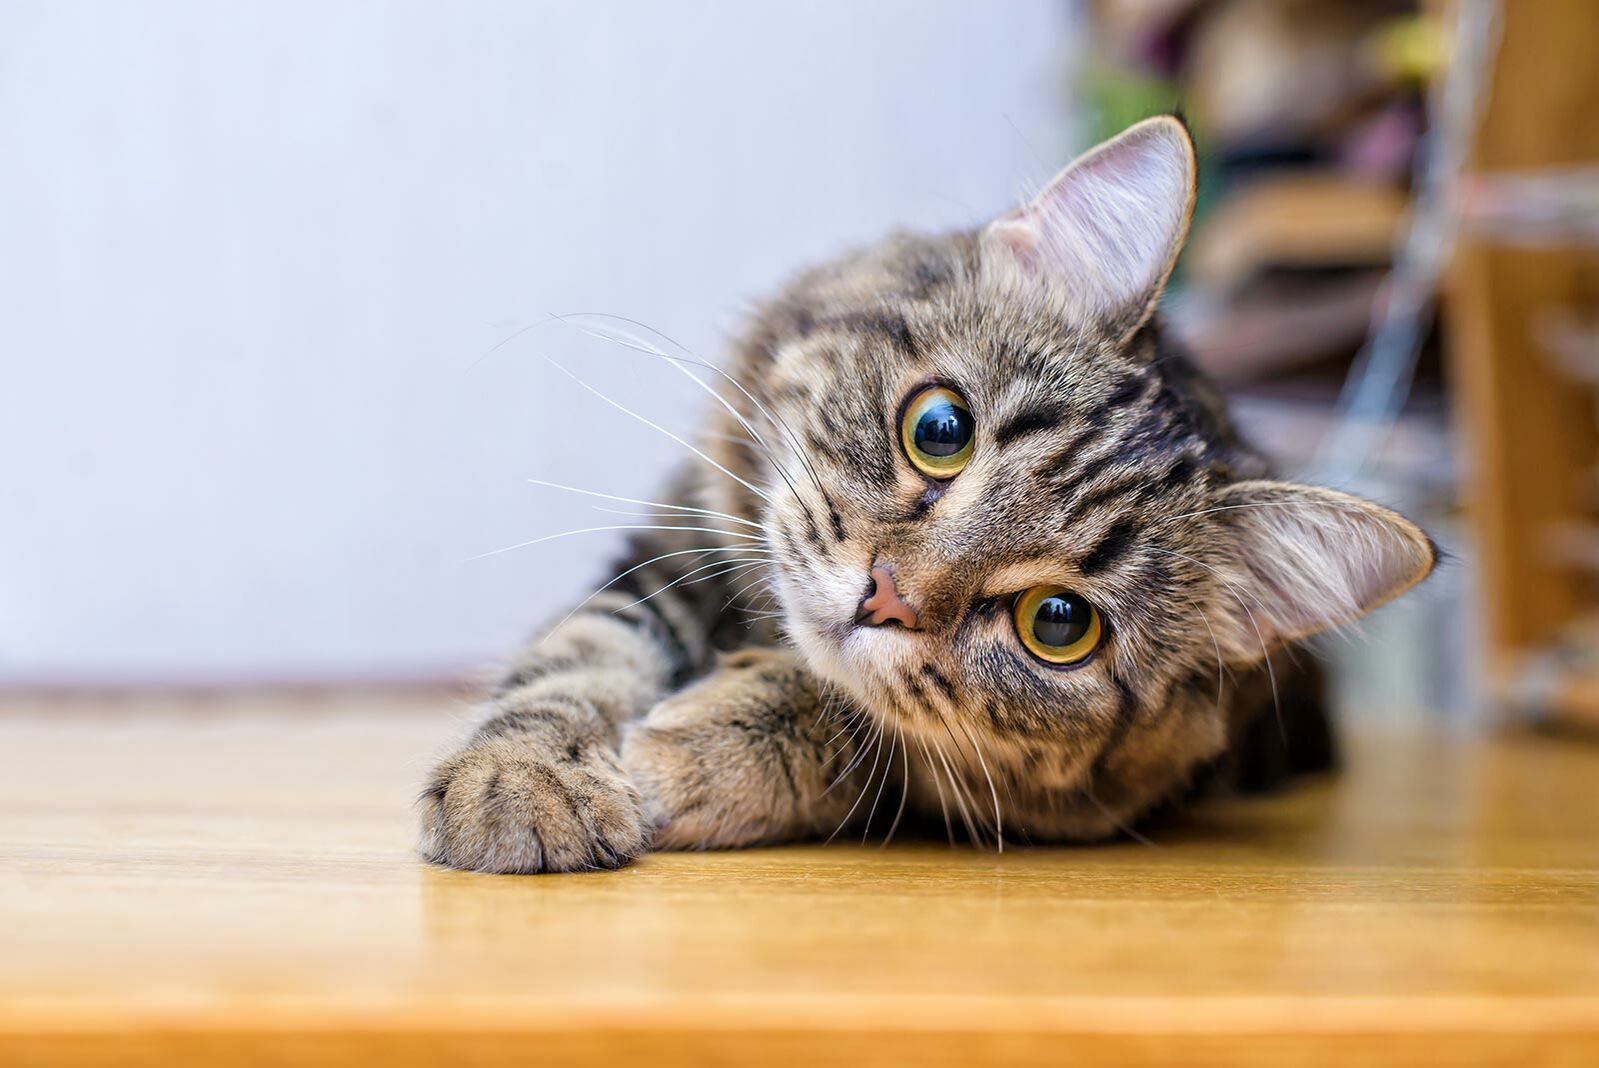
x,y
1005,510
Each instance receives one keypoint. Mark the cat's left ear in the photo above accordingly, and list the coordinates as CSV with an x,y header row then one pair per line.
x,y
1107,230
1303,559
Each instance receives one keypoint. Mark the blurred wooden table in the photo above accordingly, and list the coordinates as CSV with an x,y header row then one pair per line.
x,y
232,882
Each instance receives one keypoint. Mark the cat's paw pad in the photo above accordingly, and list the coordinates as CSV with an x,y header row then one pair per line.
x,y
508,805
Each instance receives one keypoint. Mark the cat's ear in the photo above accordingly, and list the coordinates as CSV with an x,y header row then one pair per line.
x,y
1304,559
1107,230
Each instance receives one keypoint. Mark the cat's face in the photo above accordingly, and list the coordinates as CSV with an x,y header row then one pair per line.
x,y
1004,515
1079,481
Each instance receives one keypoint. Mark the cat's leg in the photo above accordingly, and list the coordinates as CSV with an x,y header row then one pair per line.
x,y
755,753
538,786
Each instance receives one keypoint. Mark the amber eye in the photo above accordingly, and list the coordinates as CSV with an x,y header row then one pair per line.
x,y
1056,625
936,431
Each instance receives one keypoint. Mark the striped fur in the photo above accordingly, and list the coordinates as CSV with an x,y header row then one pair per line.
x,y
718,693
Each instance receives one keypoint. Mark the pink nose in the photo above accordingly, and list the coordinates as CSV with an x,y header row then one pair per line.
x,y
884,604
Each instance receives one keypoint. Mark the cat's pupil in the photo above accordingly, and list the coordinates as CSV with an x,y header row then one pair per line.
x,y
1062,620
943,430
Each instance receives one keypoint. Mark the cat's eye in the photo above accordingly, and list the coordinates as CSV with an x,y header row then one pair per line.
x,y
936,432
1056,625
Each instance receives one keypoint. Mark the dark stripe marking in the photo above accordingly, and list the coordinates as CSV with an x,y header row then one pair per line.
x,y
1028,421
1117,540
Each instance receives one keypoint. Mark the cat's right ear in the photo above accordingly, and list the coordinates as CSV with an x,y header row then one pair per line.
x,y
1107,230
1305,559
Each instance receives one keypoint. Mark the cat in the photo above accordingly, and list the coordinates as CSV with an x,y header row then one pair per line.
x,y
967,539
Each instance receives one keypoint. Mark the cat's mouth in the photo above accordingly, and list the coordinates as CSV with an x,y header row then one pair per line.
x,y
851,631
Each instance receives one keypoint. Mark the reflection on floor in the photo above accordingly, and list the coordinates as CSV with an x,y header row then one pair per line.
x,y
232,878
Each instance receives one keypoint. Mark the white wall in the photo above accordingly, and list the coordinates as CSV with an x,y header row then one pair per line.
x,y
252,256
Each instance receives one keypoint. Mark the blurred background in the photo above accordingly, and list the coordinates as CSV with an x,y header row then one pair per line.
x,y
280,287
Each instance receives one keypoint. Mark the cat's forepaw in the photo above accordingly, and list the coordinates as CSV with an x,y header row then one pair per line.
x,y
720,764
691,799
512,805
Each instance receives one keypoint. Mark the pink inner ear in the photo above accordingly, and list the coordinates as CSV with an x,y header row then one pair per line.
x,y
1315,558
1108,227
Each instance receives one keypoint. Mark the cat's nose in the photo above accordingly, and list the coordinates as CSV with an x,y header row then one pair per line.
x,y
883,604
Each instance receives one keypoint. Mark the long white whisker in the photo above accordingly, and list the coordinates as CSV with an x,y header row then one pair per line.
x,y
888,768
639,513
938,784
681,578
828,710
640,346
742,590
619,526
654,559
905,794
959,793
999,824
651,504
734,566
676,365
956,743
1221,669
860,757
657,427
877,753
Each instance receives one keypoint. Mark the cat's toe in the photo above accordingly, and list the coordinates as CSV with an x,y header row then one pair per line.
x,y
502,805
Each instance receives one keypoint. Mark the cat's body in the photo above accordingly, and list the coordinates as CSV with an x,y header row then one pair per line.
x,y
845,629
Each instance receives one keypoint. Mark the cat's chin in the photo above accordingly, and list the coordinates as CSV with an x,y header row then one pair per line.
x,y
855,659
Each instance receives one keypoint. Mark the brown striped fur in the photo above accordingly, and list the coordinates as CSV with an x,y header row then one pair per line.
x,y
719,693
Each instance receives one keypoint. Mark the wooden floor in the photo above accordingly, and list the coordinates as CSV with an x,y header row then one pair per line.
x,y
232,882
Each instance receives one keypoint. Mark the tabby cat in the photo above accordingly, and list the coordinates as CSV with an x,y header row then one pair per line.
x,y
966,542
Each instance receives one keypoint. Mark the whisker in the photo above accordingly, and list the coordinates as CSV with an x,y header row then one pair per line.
x,y
654,559
742,590
656,426
1221,669
959,794
621,526
905,794
736,563
999,824
652,504
849,726
859,758
734,567
887,768
639,346
854,722
938,784
956,743
642,514
676,581
877,752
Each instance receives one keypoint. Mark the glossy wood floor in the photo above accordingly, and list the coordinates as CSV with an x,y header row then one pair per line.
x,y
232,882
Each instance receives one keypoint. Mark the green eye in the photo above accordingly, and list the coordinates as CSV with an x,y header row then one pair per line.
x,y
1056,625
936,432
